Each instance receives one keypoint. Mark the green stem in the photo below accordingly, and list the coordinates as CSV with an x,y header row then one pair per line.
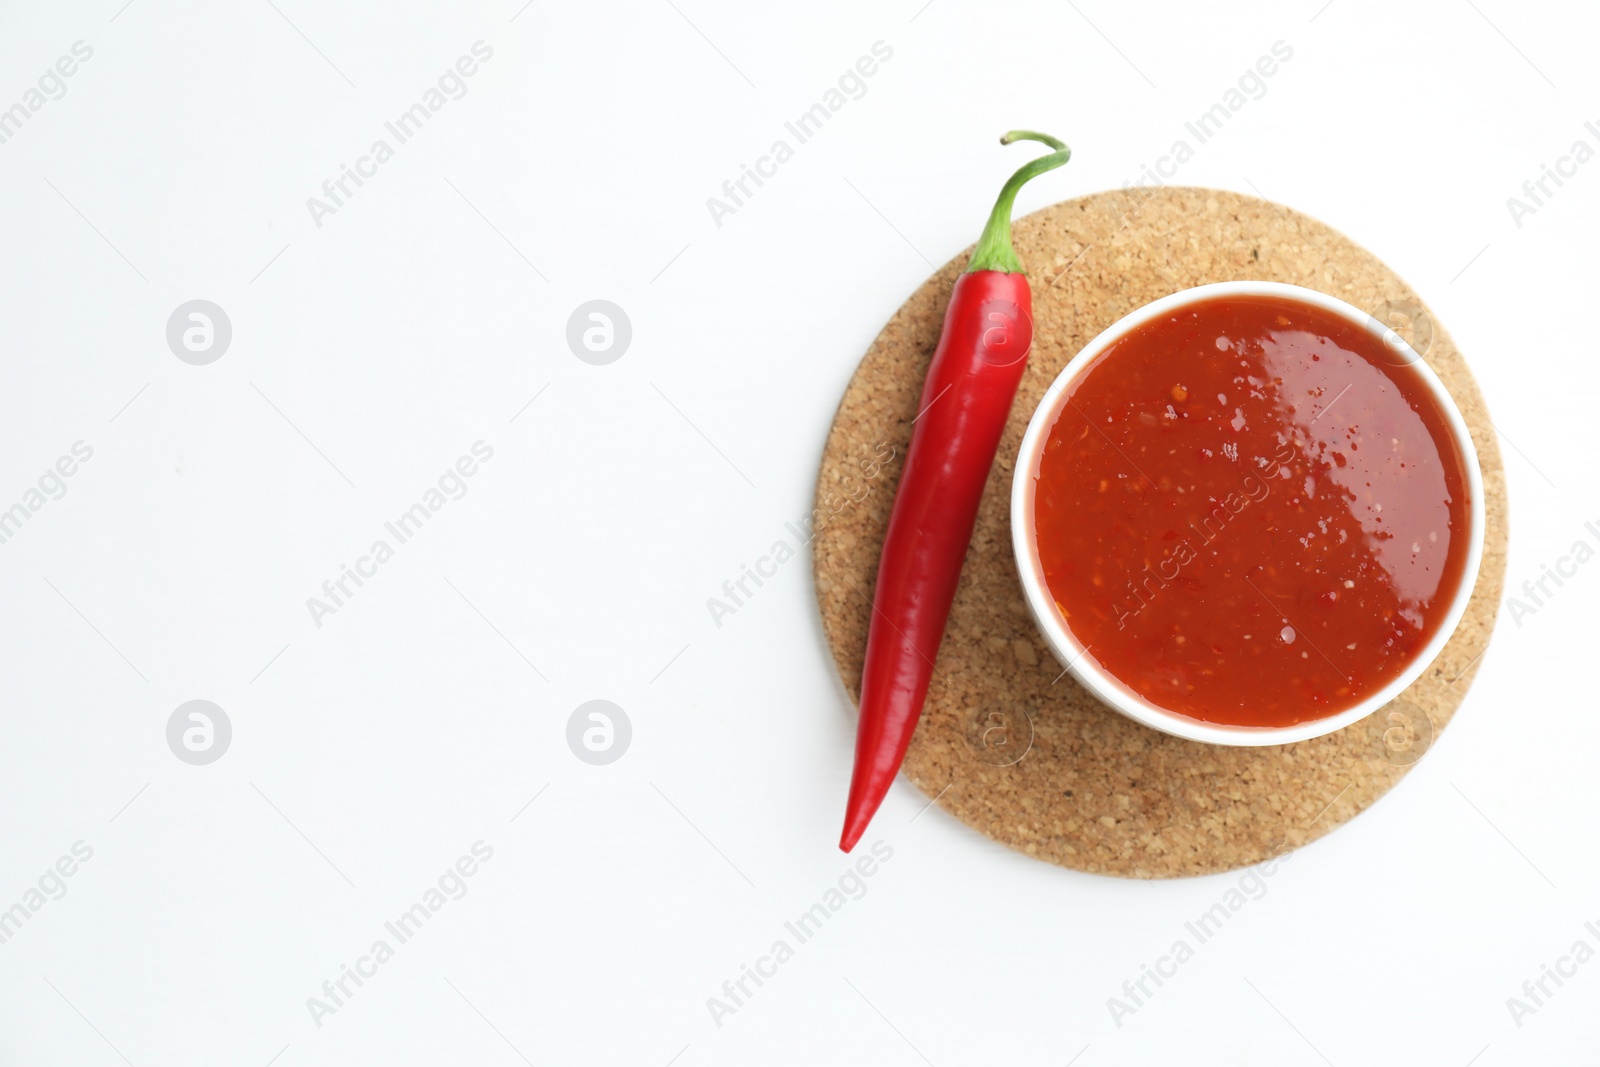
x,y
994,251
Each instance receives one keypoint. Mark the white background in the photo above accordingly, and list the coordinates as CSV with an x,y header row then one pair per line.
x,y
368,354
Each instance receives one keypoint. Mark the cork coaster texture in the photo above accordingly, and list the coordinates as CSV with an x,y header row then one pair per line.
x,y
1009,744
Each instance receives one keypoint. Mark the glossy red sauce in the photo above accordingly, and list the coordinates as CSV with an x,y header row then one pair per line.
x,y
1251,512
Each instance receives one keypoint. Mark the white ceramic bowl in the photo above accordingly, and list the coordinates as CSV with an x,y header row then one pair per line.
x,y
1084,667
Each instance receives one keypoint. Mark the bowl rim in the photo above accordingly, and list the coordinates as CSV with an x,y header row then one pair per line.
x,y
1100,682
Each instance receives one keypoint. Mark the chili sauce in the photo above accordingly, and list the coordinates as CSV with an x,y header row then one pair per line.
x,y
1252,512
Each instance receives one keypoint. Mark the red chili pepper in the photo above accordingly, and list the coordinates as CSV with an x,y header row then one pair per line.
x,y
966,399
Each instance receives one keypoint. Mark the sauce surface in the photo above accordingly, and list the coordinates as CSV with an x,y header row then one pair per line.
x,y
1251,512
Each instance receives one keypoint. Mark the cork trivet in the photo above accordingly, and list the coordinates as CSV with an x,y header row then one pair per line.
x,y
1008,743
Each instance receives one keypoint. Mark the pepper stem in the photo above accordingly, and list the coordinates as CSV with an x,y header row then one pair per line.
x,y
994,251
